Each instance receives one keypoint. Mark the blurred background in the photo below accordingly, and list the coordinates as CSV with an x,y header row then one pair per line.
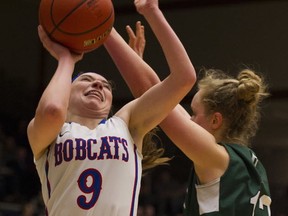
x,y
219,34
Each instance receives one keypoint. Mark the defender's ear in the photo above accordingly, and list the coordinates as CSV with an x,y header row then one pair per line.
x,y
216,120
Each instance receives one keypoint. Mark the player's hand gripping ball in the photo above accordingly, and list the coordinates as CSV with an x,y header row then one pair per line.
x,y
80,25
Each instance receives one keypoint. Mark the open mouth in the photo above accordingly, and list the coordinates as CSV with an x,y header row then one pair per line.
x,y
95,93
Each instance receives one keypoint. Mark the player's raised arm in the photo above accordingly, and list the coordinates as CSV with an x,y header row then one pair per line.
x,y
182,74
52,108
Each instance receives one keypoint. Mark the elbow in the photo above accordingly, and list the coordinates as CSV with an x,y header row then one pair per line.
x,y
52,112
190,79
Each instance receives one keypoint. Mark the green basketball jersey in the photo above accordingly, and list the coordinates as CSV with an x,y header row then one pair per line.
x,y
243,189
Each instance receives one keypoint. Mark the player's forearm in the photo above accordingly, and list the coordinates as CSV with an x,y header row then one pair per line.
x,y
137,74
57,93
174,51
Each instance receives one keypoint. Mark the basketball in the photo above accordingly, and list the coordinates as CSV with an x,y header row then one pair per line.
x,y
80,25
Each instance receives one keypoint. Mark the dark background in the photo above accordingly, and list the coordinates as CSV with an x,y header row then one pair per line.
x,y
218,34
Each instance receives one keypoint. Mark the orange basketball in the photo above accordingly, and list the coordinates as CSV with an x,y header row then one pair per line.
x,y
80,25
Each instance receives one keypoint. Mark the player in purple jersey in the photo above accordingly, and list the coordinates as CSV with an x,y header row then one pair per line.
x,y
227,178
90,164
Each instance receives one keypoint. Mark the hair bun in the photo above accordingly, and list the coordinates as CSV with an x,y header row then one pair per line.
x,y
249,86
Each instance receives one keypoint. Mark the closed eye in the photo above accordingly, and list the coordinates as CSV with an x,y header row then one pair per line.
x,y
86,78
108,86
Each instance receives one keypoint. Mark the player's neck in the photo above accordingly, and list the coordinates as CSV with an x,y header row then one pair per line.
x,y
90,123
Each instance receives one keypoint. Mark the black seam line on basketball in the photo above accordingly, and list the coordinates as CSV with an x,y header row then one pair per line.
x,y
63,19
75,34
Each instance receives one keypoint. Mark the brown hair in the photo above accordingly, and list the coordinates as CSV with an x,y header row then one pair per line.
x,y
237,99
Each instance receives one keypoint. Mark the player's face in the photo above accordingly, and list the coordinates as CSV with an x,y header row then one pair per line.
x,y
199,115
91,93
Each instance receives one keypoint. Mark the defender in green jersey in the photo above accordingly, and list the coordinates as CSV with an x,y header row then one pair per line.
x,y
242,190
227,179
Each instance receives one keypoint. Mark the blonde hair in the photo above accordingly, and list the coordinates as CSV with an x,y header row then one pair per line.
x,y
237,99
152,151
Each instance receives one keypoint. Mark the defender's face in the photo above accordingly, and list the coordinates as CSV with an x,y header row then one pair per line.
x,y
198,112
